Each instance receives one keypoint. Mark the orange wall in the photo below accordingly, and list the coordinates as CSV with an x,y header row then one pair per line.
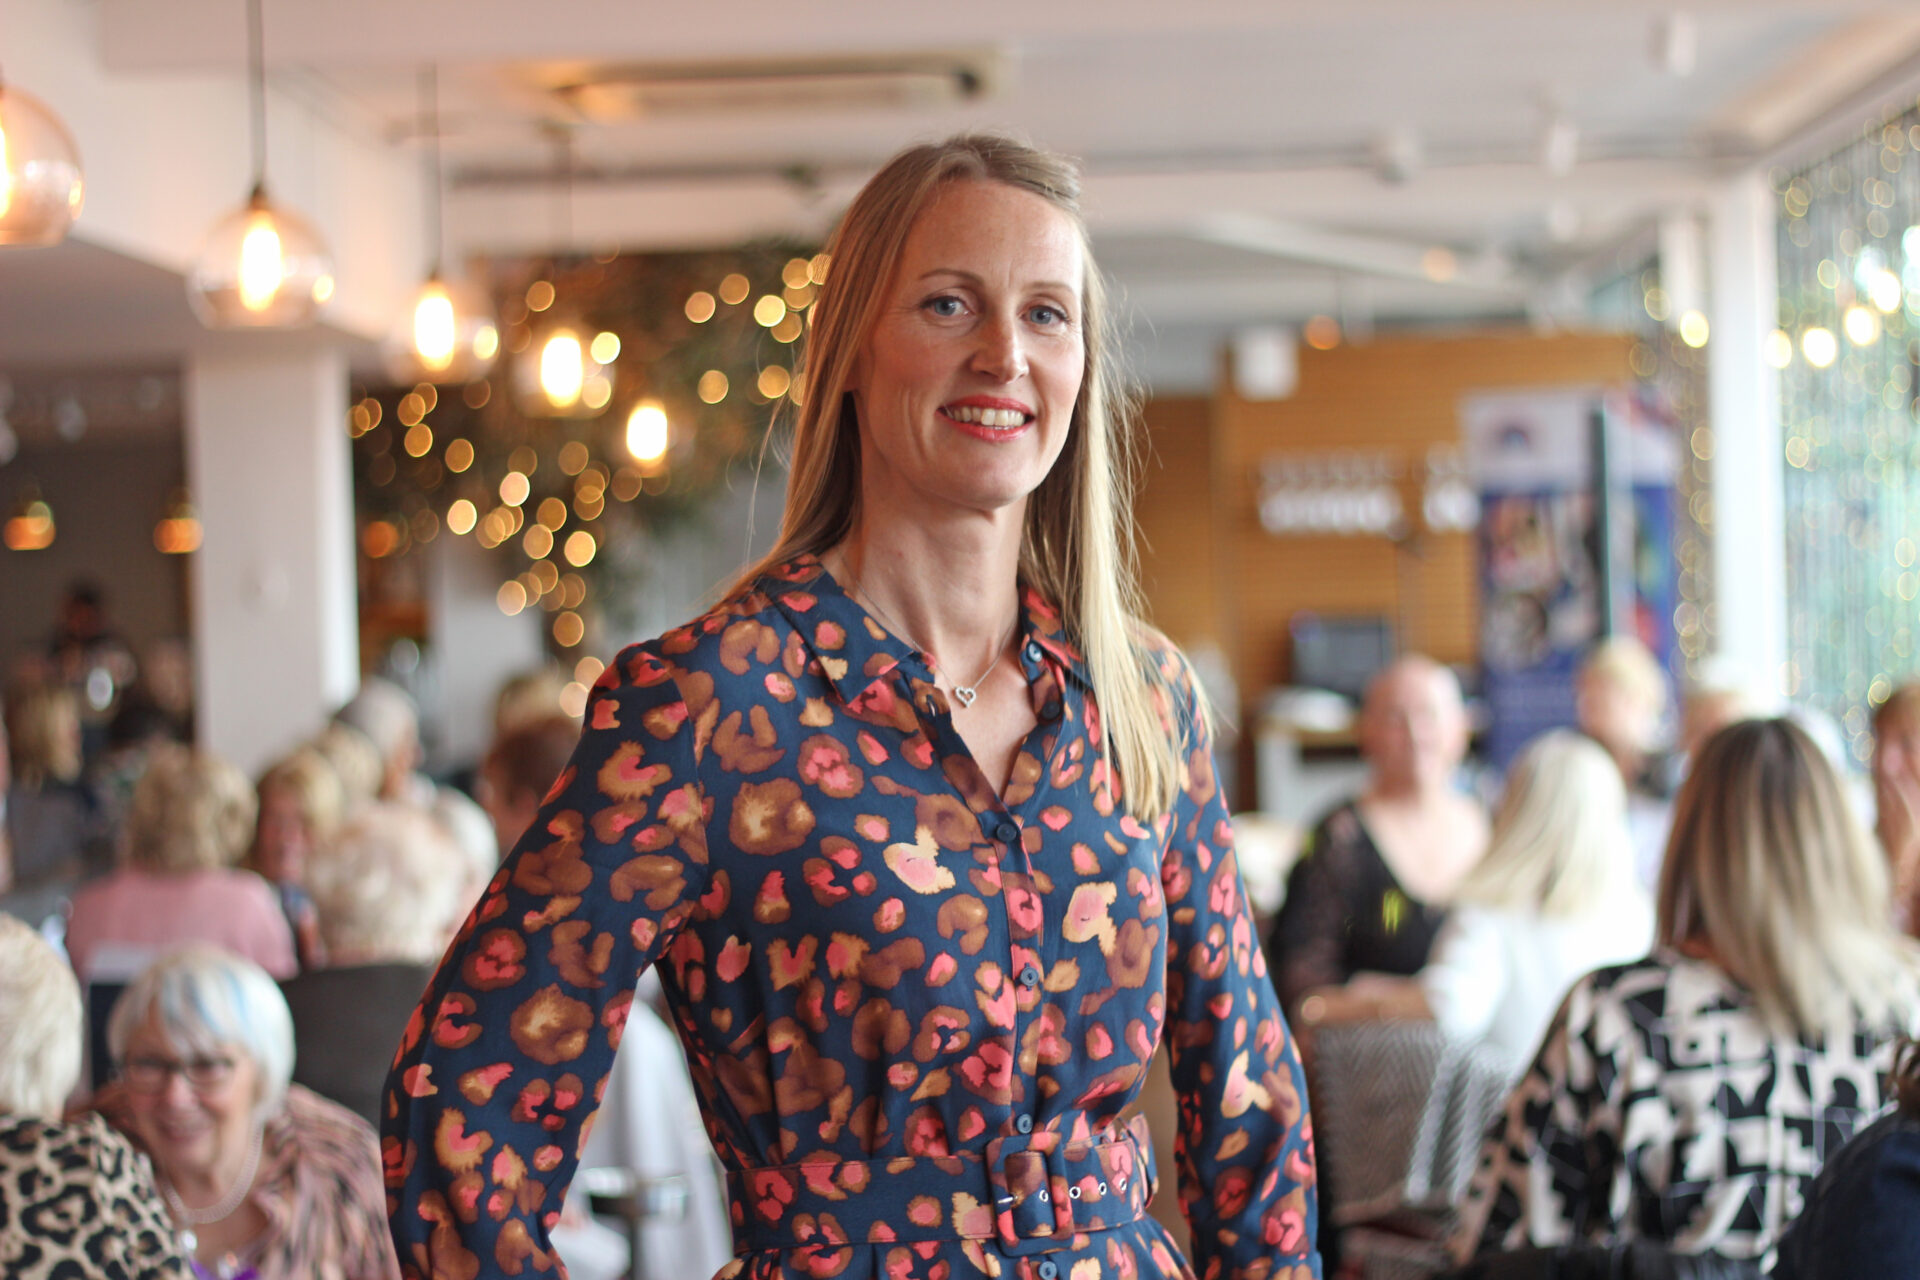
x,y
1211,571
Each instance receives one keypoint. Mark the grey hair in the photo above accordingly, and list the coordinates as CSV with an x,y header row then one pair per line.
x,y
39,1024
206,999
391,885
383,711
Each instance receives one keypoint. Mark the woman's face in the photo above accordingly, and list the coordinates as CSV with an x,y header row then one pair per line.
x,y
194,1113
966,385
281,840
1896,752
1413,730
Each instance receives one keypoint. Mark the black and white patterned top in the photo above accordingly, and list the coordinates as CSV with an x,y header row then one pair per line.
x,y
1661,1107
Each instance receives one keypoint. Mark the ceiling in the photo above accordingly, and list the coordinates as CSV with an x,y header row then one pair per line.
x,y
1247,161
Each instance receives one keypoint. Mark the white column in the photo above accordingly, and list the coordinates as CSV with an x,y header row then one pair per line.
x,y
275,618
1749,518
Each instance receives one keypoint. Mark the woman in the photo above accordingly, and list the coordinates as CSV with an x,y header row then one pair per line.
x,y
301,806
1689,1098
1555,896
48,814
1369,893
922,822
75,1199
265,1181
189,825
519,770
390,886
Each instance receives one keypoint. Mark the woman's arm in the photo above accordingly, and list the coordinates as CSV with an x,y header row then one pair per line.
x,y
502,1063
1541,1179
1308,943
1244,1147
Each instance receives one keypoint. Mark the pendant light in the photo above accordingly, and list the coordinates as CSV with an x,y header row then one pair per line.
x,y
41,188
448,333
263,267
567,368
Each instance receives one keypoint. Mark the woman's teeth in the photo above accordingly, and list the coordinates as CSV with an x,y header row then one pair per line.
x,y
986,417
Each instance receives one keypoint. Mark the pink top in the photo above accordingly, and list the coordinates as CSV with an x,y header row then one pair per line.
x,y
136,915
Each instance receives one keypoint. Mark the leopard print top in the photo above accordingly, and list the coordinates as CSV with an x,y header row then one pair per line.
x,y
77,1201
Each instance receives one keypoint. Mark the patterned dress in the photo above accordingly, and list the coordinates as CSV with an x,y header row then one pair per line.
x,y
1660,1107
915,1009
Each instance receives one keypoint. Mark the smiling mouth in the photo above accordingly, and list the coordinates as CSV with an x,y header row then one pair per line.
x,y
1001,419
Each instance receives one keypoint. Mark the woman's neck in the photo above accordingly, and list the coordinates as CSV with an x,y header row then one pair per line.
x,y
954,592
199,1188
1408,793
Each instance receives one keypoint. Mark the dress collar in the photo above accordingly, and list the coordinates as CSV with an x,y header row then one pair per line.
x,y
856,651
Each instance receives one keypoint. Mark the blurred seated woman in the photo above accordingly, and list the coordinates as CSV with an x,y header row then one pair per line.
x,y
49,815
1555,897
265,1180
1689,1098
1620,699
190,823
1369,892
389,889
301,805
75,1199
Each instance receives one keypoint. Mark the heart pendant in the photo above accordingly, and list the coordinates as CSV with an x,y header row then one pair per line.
x,y
965,694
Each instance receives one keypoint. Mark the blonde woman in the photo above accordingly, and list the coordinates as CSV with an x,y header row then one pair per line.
x,y
1689,1099
75,1199
1554,897
921,822
301,807
48,814
189,825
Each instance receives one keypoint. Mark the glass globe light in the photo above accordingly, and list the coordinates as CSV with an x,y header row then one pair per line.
x,y
41,188
262,268
446,335
557,376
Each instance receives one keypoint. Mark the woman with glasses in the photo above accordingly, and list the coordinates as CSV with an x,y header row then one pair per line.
x,y
264,1180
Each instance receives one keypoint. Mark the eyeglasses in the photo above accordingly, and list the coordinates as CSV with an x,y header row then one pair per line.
x,y
151,1075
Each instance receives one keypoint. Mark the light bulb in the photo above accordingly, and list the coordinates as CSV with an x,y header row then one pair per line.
x,y
433,328
41,188
563,370
647,432
262,268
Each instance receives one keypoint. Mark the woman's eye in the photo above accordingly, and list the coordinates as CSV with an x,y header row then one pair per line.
x,y
945,305
1047,314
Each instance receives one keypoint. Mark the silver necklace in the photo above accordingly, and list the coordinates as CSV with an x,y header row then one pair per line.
x,y
964,694
221,1209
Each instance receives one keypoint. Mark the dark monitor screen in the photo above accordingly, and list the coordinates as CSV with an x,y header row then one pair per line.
x,y
1339,653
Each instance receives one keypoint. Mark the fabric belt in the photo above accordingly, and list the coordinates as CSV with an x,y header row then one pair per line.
x,y
1028,1193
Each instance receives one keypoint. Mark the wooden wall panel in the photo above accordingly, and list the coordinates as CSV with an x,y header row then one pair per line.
x,y
1211,571
1175,516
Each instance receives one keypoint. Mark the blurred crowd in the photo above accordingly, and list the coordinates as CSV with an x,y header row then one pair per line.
x,y
203,978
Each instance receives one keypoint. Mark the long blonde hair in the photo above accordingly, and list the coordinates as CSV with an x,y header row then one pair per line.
x,y
1077,546
1770,871
1560,843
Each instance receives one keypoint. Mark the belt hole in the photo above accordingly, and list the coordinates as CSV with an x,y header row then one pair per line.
x,y
1121,1182
1045,1195
1074,1191
1103,1188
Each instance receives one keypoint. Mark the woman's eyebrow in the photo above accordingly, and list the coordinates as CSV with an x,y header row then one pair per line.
x,y
972,279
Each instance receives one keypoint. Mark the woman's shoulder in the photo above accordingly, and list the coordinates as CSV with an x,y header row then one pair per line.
x,y
306,1117
84,1148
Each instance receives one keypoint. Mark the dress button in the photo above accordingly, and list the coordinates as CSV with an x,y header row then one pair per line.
x,y
1047,1269
1033,651
1006,833
1024,1124
1050,711
1029,977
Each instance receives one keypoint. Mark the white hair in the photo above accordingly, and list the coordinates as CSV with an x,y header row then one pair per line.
x,y
1560,844
390,886
383,711
40,1023
207,999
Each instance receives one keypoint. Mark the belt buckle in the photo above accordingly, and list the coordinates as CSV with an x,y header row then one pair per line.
x,y
1029,1191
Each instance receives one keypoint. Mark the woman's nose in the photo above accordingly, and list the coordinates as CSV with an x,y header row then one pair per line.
x,y
1000,352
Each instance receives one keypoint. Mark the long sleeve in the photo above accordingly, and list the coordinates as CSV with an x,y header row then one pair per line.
x,y
1546,1168
1467,978
502,1066
1308,941
1245,1143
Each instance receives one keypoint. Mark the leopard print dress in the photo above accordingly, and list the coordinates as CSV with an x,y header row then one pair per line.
x,y
77,1201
